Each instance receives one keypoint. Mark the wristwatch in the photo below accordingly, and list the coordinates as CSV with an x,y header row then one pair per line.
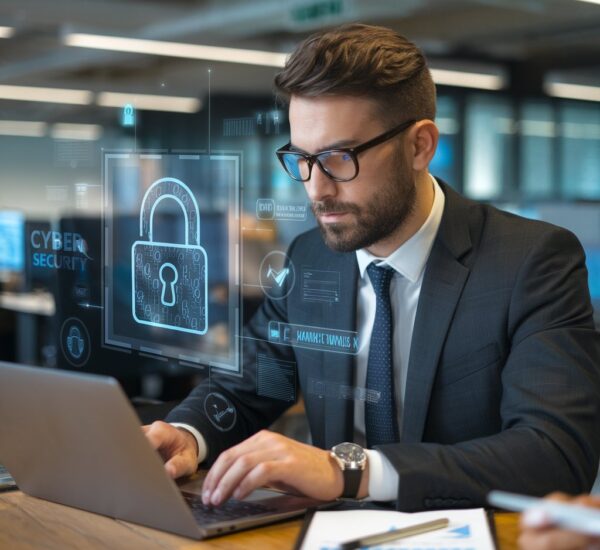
x,y
352,460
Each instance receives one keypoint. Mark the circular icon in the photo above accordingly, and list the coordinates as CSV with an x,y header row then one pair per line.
x,y
276,275
75,342
220,411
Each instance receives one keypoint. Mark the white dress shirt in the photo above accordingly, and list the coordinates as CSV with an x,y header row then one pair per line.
x,y
409,262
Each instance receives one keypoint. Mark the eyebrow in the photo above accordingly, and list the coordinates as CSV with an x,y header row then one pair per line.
x,y
343,143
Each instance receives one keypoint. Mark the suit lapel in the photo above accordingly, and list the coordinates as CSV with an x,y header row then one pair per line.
x,y
443,282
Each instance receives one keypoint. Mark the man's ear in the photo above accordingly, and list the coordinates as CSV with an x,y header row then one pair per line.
x,y
423,137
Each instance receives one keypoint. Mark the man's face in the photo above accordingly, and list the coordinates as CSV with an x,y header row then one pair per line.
x,y
361,212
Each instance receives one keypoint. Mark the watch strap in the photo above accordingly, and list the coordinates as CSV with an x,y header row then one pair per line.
x,y
352,480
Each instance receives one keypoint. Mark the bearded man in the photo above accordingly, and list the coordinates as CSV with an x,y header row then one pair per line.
x,y
476,363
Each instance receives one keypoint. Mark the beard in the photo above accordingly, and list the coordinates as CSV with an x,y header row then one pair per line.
x,y
387,211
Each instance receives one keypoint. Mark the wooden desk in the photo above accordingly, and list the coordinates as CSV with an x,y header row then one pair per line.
x,y
28,523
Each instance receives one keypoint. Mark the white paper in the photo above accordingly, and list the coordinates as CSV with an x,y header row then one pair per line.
x,y
468,530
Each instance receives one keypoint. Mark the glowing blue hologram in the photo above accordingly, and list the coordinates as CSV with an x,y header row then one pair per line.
x,y
268,209
335,390
320,285
170,289
274,332
128,117
275,378
278,276
175,303
75,343
311,337
220,411
265,209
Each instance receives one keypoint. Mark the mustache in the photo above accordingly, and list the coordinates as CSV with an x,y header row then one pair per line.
x,y
328,207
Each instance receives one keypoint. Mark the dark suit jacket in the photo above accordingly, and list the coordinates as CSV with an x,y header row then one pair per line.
x,y
503,384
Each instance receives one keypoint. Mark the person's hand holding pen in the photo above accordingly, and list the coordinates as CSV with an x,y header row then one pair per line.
x,y
539,533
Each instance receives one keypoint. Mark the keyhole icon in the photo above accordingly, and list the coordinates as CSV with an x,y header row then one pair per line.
x,y
168,280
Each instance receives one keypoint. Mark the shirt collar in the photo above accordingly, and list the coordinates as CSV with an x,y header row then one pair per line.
x,y
409,258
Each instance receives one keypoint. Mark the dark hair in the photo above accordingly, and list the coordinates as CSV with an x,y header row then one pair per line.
x,y
364,61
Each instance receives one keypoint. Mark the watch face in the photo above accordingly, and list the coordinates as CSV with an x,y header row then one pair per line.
x,y
350,452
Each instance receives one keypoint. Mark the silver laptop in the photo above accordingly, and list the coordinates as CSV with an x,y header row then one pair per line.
x,y
74,439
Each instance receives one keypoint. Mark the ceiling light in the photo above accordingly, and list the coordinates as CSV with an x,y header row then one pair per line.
x,y
175,49
6,32
573,91
578,130
48,95
23,128
150,102
466,79
537,128
591,1
81,132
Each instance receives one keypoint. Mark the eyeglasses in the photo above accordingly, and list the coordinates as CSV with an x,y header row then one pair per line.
x,y
337,164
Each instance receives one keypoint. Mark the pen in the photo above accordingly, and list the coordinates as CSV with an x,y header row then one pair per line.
x,y
372,540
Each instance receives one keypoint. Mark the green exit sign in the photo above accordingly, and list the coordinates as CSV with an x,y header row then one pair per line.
x,y
317,10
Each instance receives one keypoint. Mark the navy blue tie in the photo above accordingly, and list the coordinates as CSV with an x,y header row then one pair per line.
x,y
381,424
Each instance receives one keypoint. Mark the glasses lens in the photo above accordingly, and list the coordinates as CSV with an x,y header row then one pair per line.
x,y
296,166
338,164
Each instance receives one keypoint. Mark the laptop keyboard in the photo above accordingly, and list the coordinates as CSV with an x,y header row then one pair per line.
x,y
231,510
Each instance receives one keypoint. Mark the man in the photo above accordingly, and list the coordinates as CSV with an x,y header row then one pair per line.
x,y
477,360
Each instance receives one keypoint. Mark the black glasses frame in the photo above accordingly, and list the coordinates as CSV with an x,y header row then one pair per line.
x,y
351,151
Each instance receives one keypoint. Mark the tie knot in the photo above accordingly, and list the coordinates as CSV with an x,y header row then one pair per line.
x,y
380,276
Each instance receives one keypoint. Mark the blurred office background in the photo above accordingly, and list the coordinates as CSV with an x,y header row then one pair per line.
x,y
518,109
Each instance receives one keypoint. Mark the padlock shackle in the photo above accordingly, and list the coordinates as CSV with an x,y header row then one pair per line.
x,y
188,232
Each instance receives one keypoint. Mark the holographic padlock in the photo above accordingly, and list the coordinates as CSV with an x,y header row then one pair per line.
x,y
169,280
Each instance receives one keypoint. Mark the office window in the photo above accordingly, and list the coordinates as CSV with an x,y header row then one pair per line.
x,y
489,134
537,129
580,150
445,163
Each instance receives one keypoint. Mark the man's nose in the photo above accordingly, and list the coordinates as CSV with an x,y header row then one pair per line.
x,y
319,186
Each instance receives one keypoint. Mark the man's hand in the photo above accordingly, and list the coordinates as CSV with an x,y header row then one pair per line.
x,y
271,459
177,446
538,533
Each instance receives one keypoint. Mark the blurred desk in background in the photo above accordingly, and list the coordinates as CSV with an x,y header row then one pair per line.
x,y
28,306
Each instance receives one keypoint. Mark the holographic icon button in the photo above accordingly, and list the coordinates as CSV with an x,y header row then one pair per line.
x,y
169,280
128,115
75,342
277,275
220,411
